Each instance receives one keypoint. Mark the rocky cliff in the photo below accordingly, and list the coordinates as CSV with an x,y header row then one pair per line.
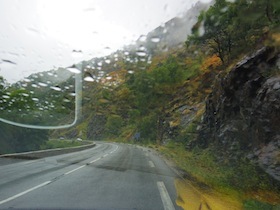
x,y
242,117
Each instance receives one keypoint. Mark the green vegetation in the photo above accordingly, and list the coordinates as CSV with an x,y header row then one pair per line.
x,y
162,105
16,139
202,167
161,102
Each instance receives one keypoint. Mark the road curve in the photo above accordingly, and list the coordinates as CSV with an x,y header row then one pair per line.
x,y
108,176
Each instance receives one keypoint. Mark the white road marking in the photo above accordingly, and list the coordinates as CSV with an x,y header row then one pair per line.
x,y
48,182
151,164
69,172
115,149
24,192
165,198
94,160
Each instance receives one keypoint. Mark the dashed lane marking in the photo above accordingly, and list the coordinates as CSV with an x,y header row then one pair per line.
x,y
69,172
165,198
24,192
94,160
48,182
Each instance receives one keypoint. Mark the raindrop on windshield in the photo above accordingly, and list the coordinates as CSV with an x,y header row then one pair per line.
x,y
141,53
56,88
5,64
5,96
155,39
142,38
224,9
27,80
77,53
73,70
25,94
42,84
89,79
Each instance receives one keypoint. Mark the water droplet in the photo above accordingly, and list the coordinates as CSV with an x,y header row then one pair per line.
x,y
42,84
66,100
56,88
109,78
201,30
141,53
7,64
34,85
35,99
27,80
143,59
155,39
73,70
89,79
224,9
142,48
77,53
72,94
107,61
25,94
130,71
101,73
126,53
99,63
5,96
142,38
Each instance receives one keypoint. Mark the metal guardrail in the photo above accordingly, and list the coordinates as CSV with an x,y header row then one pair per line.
x,y
46,153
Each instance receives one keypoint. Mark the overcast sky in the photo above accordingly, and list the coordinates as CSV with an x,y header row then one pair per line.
x,y
39,35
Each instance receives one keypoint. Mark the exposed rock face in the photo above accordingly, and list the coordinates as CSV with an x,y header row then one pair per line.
x,y
243,112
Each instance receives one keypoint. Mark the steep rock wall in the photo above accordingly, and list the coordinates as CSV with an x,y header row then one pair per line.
x,y
242,116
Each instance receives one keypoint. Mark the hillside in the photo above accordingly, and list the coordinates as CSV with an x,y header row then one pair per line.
x,y
209,102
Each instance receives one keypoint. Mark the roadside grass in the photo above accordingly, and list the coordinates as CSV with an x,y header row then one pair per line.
x,y
54,144
242,181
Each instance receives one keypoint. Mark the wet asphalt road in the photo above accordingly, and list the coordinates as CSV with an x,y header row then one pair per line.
x,y
108,176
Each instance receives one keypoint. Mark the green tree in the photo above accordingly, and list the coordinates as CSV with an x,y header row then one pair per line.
x,y
113,125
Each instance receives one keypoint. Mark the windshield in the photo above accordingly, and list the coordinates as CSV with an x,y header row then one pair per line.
x,y
124,104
